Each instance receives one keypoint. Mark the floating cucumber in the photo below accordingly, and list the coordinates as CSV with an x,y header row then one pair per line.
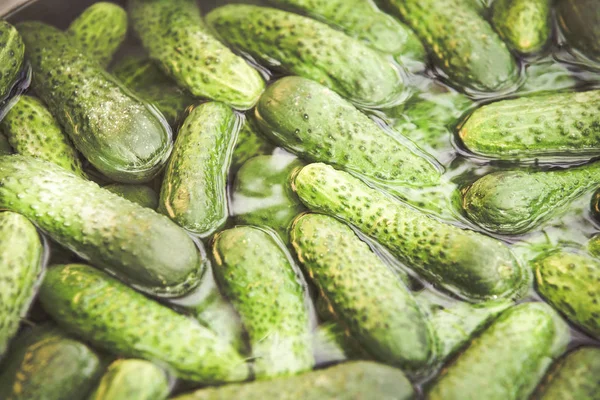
x,y
5,148
250,143
580,23
12,54
525,25
140,194
142,247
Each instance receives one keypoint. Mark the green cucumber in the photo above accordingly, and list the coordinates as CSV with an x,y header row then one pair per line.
x,y
194,189
593,246
12,58
123,137
362,292
580,23
545,127
140,246
525,25
309,48
140,194
250,143
33,131
464,262
100,30
5,147
547,75
508,359
114,317
21,253
349,381
256,274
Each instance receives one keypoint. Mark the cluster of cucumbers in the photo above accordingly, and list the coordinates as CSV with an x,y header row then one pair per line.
x,y
305,199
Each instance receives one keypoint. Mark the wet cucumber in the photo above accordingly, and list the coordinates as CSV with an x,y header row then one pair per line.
x,y
124,138
546,75
525,25
362,292
194,189
5,148
580,23
508,359
464,262
250,143
140,194
12,54
255,273
140,246
114,317
309,48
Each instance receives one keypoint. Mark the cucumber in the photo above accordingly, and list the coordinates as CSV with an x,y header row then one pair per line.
x,y
177,39
114,317
100,30
595,207
131,379
349,381
194,189
546,75
140,246
573,377
124,138
140,194
363,292
5,148
256,274
21,253
463,262
593,246
305,47
33,131
569,282
508,359
328,344
250,143
514,202
525,25
580,23
546,127
12,55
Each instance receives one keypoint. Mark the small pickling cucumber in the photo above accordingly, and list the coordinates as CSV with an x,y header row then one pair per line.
x,y
580,23
5,147
124,138
569,282
132,379
544,127
194,188
362,292
349,381
20,268
464,262
114,317
256,274
309,48
33,131
176,37
12,55
142,247
516,201
143,195
508,359
525,25
250,143
100,30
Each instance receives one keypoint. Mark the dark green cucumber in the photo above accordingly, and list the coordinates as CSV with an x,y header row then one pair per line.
x,y
250,143
308,48
363,292
12,55
20,268
256,274
194,189
508,359
525,25
140,246
570,283
100,30
5,147
123,137
349,381
544,127
140,194
114,317
33,131
580,23
462,261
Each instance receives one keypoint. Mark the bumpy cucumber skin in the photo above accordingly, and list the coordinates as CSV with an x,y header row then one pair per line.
x,y
508,359
20,267
32,131
144,248
12,55
570,283
580,23
317,124
45,364
255,273
309,48
463,45
131,379
514,202
112,316
525,25
365,295
573,377
543,126
349,381
123,137
250,143
464,262
100,30
176,38
140,194
194,189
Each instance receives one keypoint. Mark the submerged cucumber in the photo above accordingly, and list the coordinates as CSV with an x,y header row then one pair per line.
x,y
525,25
250,143
546,75
580,23
12,54
140,194
5,148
